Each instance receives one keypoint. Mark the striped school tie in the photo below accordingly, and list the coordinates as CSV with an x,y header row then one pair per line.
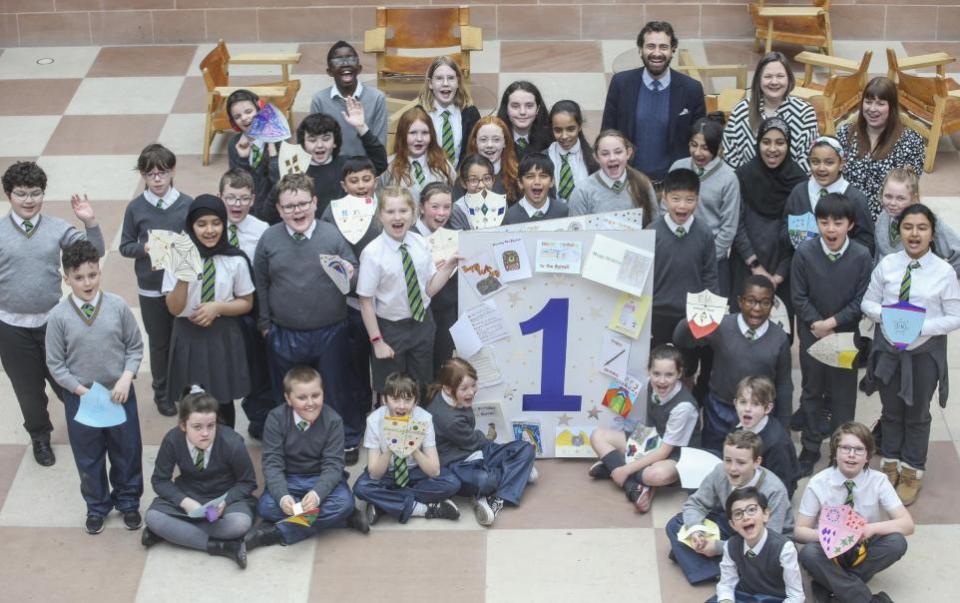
x,y
850,484
447,137
302,425
751,555
299,236
255,156
833,256
418,173
539,214
27,226
233,239
680,232
905,283
751,334
417,311
401,473
87,310
823,193
699,171
566,177
522,143
199,462
160,203
209,287
894,233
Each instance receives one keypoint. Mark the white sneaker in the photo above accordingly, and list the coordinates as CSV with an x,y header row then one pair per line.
x,y
482,511
534,475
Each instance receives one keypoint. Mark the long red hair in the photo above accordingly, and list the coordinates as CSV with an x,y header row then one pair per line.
x,y
436,159
508,157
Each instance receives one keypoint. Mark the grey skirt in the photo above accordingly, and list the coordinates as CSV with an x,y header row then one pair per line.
x,y
214,357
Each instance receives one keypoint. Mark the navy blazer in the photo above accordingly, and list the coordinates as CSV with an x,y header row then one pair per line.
x,y
469,116
686,107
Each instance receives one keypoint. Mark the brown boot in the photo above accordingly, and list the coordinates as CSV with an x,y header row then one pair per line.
x,y
910,484
892,470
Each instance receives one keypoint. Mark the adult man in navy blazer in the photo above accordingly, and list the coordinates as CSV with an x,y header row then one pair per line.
x,y
659,117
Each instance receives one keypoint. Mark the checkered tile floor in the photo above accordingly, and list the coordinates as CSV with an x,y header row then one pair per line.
x,y
86,115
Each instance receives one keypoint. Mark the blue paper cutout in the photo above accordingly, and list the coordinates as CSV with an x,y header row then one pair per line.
x,y
98,410
902,323
269,125
802,228
552,320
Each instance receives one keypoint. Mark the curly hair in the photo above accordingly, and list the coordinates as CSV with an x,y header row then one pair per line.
x,y
26,174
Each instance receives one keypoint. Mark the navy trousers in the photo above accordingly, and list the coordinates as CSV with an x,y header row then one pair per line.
x,y
260,401
334,509
398,502
719,419
503,471
696,567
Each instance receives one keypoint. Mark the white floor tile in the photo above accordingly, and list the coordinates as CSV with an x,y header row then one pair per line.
x,y
68,62
97,176
183,133
125,95
26,135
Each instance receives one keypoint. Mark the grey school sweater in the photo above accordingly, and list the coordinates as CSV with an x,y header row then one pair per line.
x,y
946,243
821,288
798,203
682,265
30,265
289,451
715,488
140,218
79,354
374,111
456,431
719,205
593,196
293,291
517,215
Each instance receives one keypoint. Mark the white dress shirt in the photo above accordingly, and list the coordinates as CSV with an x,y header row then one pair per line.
x,y
456,124
531,210
382,277
792,580
813,190
673,226
744,327
231,280
577,165
168,199
249,231
872,494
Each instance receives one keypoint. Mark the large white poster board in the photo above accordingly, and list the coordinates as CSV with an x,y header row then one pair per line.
x,y
561,358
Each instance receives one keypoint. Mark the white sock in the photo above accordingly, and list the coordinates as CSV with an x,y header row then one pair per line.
x,y
906,466
419,510
886,460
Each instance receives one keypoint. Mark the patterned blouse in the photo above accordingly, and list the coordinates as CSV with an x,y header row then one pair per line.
x,y
867,173
740,142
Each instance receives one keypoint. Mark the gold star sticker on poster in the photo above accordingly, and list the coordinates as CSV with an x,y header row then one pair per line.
x,y
564,419
595,413
514,297
596,313
508,393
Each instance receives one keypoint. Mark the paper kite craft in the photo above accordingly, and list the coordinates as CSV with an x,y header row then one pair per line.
x,y
305,519
642,442
403,434
269,125
292,159
485,209
175,252
902,323
836,350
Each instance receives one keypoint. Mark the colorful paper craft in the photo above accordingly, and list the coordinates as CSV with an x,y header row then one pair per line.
x,y
353,216
802,228
305,519
203,509
711,532
269,125
614,356
512,260
338,270
558,257
292,159
840,529
836,350
98,410
443,244
619,399
403,434
779,316
574,442
642,442
482,275
485,209
528,431
489,420
695,465
618,265
705,310
902,323
176,253
628,219
630,314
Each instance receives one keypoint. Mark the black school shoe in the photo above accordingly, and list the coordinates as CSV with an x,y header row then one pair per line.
x,y
231,549
266,534
94,524
148,538
358,521
446,509
166,407
43,452
132,519
372,513
351,455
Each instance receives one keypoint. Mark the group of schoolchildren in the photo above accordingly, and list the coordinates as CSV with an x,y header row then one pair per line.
x,y
265,324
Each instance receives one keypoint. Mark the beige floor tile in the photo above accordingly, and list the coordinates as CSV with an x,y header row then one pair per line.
x,y
674,587
11,455
125,95
139,61
26,135
666,503
21,63
920,574
97,176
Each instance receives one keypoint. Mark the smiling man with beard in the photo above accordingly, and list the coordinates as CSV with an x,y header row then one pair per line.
x,y
654,105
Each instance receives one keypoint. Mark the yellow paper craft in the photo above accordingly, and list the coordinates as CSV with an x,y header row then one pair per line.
x,y
711,532
836,350
574,442
403,434
305,519
630,314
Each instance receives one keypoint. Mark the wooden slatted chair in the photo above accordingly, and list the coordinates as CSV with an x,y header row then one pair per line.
x,y
804,25
840,95
725,99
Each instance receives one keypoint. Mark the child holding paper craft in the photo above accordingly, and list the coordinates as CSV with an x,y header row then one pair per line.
x,y
744,344
358,179
417,158
415,485
303,314
492,474
258,158
754,401
906,375
397,281
30,245
616,185
475,176
159,207
491,139
829,276
719,204
673,412
451,106
850,481
570,152
303,467
901,189
207,343
536,183
522,109
699,558
758,565
92,340
212,463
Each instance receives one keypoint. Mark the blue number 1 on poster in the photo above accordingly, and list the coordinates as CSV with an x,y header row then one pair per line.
x,y
552,320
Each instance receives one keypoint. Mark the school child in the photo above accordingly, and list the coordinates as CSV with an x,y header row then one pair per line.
x,y
210,461
159,207
397,281
258,158
29,288
744,344
404,487
850,481
686,261
475,175
523,111
418,159
907,378
93,338
343,65
450,106
570,152
303,463
303,315
319,134
491,139
673,412
616,186
719,204
740,468
754,402
901,189
758,565
826,162
492,474
829,276
207,344
536,182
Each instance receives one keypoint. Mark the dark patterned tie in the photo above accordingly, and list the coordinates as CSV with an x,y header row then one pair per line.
x,y
680,232
894,233
208,289
823,193
751,555
833,256
751,334
522,144
160,203
447,137
302,425
850,484
618,185
27,226
417,311
905,283
299,236
418,173
199,462
566,177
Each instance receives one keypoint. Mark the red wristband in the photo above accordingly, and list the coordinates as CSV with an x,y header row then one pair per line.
x,y
376,339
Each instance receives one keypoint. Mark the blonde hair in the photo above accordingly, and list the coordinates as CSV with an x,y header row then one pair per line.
x,y
461,99
397,192
906,175
762,391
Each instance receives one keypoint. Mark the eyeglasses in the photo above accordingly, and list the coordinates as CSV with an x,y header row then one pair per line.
x,y
748,511
752,302
474,180
22,195
443,79
293,207
349,61
235,200
157,175
854,450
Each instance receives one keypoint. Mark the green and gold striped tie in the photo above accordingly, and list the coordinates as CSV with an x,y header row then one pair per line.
x,y
618,185
905,283
255,156
209,287
894,233
823,193
447,137
680,231
87,310
401,473
850,484
27,226
417,311
302,425
522,143
418,173
299,236
566,177
199,462
233,239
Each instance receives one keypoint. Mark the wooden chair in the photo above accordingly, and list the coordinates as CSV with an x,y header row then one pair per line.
x,y
840,96
216,75
404,38
934,110
804,25
725,99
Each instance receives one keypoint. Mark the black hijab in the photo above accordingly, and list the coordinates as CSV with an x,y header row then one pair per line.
x,y
210,205
765,189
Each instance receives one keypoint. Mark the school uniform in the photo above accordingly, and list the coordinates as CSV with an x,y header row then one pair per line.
x,y
145,213
578,167
483,467
906,379
738,353
384,493
382,278
327,177
223,468
872,493
29,289
212,356
776,448
265,170
333,103
299,457
804,197
461,122
600,194
825,285
445,312
946,242
95,342
523,211
768,572
413,180
708,503
306,314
